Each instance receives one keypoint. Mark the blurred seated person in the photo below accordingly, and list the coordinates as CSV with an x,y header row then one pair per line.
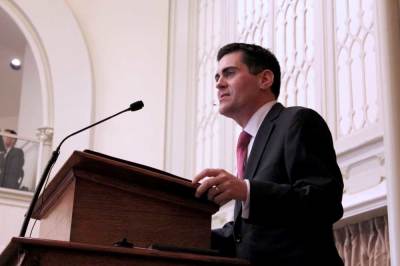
x,y
2,148
11,162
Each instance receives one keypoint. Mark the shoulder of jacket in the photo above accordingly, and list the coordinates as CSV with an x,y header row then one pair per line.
x,y
296,110
299,113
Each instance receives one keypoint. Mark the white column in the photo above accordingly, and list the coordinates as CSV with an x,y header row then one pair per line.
x,y
389,31
45,136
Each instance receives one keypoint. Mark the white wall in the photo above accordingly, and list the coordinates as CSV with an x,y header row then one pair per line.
x,y
12,210
12,221
30,109
8,122
127,42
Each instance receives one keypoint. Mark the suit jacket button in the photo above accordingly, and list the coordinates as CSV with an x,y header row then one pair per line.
x,y
238,239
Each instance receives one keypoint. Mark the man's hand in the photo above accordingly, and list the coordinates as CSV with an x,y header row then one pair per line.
x,y
222,186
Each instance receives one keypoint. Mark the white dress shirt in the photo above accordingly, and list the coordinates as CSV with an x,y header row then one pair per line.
x,y
252,128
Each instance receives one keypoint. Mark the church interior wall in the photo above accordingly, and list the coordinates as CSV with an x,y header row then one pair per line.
x,y
123,47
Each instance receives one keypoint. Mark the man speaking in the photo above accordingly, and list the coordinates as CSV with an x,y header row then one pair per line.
x,y
288,188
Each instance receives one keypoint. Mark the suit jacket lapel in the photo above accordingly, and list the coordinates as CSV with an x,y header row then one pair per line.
x,y
261,140
259,144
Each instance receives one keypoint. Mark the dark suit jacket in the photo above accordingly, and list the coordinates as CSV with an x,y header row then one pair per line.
x,y
11,168
2,148
295,194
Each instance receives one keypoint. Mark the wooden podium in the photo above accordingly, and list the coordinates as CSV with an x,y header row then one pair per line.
x,y
95,201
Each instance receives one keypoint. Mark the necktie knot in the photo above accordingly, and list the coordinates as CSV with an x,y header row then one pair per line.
x,y
241,152
244,140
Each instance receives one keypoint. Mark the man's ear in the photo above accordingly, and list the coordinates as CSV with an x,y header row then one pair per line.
x,y
266,78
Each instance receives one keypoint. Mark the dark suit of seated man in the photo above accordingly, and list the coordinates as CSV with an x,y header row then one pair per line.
x,y
289,188
11,163
2,148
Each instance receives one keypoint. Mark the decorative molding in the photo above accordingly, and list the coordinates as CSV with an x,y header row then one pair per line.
x,y
358,140
362,168
369,149
363,205
15,198
356,67
45,135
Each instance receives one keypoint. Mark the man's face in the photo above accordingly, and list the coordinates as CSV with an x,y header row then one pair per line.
x,y
9,142
238,89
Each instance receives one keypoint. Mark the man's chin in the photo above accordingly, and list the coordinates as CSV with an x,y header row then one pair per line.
x,y
225,110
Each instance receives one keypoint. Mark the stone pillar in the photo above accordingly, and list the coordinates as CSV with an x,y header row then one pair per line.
x,y
389,33
45,136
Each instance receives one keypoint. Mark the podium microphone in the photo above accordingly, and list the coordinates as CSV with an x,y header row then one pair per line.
x,y
133,107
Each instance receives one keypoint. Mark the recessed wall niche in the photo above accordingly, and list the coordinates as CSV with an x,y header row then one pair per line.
x,y
20,104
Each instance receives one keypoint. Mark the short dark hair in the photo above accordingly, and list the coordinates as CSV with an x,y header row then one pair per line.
x,y
257,59
10,131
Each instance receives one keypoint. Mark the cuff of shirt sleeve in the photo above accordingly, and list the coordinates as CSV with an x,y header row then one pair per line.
x,y
246,204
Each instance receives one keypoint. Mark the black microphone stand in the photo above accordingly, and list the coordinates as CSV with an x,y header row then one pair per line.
x,y
133,107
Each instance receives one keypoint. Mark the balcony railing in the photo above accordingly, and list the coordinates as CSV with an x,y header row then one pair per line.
x,y
21,165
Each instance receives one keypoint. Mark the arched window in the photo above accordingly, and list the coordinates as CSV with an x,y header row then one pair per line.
x,y
329,54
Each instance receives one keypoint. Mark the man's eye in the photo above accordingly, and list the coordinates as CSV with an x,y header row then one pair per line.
x,y
229,73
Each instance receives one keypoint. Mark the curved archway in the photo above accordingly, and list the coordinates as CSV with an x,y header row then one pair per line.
x,y
63,65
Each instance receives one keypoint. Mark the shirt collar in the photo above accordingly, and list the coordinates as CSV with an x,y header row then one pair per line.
x,y
7,151
256,119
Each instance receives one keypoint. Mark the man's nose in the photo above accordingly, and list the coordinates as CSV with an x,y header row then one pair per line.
x,y
220,83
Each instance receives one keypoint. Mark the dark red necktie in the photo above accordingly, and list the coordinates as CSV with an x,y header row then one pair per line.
x,y
241,152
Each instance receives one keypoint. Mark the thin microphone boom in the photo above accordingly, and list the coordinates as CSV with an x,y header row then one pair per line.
x,y
133,107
